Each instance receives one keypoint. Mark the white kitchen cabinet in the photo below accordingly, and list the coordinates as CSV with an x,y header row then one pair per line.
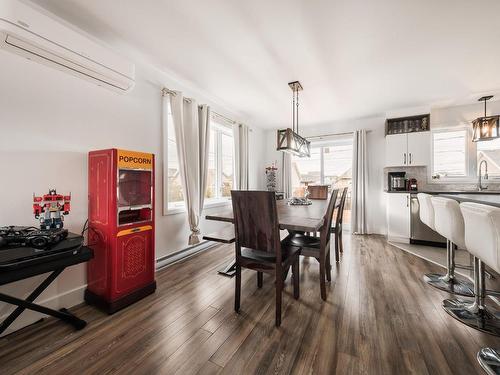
x,y
419,148
398,217
410,149
396,147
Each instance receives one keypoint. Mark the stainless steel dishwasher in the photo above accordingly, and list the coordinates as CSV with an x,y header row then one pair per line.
x,y
419,232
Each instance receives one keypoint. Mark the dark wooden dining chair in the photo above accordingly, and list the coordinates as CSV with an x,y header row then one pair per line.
x,y
258,245
318,191
318,247
337,227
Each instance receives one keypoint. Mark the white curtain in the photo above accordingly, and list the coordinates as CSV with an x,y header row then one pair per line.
x,y
191,133
204,132
359,183
286,174
240,134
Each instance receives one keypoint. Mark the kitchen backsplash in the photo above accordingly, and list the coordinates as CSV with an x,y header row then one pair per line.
x,y
420,173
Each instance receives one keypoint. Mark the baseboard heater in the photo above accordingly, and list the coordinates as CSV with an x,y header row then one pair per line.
x,y
184,253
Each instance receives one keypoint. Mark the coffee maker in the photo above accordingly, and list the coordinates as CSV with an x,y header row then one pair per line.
x,y
396,181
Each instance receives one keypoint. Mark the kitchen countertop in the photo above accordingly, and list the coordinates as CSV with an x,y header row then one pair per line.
x,y
467,192
488,199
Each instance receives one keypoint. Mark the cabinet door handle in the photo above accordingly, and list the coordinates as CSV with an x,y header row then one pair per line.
x,y
407,201
410,158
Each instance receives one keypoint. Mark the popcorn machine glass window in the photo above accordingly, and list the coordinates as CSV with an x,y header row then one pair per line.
x,y
134,196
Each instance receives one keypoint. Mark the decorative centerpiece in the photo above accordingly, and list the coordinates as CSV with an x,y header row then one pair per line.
x,y
271,177
299,201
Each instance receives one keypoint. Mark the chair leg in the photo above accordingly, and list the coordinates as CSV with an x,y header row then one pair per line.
x,y
328,267
279,291
322,277
337,255
341,242
259,279
237,289
296,280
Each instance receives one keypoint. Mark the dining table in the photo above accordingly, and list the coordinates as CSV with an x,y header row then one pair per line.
x,y
294,218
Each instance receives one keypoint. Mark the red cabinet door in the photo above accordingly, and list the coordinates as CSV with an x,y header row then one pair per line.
x,y
134,267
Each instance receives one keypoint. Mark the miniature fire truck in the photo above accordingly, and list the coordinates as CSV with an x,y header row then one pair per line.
x,y
50,209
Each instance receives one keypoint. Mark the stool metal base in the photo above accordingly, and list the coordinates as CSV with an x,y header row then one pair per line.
x,y
489,359
480,319
454,286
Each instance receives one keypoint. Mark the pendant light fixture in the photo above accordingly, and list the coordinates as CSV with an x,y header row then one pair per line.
x,y
289,140
485,128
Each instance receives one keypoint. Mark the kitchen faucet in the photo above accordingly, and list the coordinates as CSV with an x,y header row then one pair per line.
x,y
480,187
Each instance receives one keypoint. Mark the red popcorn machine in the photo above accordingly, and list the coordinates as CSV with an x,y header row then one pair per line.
x,y
121,228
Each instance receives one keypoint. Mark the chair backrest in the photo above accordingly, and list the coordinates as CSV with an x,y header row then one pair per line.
x,y
426,209
256,224
340,212
482,232
448,220
318,191
327,223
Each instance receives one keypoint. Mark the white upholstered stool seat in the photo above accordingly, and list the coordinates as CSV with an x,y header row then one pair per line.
x,y
449,223
448,220
482,237
482,232
426,210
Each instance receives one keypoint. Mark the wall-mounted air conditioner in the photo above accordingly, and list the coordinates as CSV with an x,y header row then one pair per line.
x,y
39,37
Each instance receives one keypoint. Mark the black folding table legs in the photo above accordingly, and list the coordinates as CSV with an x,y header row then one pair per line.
x,y
21,304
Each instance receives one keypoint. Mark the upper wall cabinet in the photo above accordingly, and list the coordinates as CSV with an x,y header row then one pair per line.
x,y
411,124
410,149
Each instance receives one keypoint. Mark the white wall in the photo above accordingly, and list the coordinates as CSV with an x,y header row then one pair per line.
x,y
49,121
376,160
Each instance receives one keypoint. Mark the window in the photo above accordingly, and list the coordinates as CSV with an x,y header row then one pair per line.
x,y
330,164
211,191
456,157
306,171
220,177
337,161
175,200
489,151
449,153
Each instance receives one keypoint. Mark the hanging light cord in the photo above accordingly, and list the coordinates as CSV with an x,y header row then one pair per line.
x,y
297,93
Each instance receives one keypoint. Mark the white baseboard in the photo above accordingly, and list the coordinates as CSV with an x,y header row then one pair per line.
x,y
398,239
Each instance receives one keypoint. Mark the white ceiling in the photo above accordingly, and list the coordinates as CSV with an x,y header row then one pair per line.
x,y
355,58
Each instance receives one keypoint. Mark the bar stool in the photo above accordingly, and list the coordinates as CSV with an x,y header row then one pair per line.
x,y
426,210
482,237
489,359
448,222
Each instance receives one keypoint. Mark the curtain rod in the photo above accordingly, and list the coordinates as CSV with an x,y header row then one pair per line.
x,y
165,91
333,135
227,119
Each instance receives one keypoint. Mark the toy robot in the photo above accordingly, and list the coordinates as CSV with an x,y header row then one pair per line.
x,y
50,209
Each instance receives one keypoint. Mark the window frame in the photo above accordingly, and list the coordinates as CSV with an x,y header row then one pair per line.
x,y
220,129
470,158
322,144
491,178
180,207
177,207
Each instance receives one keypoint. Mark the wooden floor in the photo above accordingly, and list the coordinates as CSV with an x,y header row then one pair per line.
x,y
380,318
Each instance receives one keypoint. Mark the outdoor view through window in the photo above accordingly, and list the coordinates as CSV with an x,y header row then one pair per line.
x,y
330,164
220,174
220,163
